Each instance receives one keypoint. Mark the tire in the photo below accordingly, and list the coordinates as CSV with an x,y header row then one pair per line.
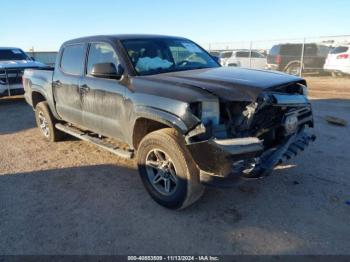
x,y
46,123
184,187
293,69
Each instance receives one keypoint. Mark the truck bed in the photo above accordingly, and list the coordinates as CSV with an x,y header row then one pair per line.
x,y
37,80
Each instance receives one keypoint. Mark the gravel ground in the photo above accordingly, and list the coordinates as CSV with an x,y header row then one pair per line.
x,y
72,198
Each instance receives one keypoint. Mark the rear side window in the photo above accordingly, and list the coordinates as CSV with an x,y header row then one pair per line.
x,y
339,49
72,59
291,50
310,50
226,54
323,50
257,55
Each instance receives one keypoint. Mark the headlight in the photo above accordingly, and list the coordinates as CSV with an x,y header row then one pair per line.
x,y
305,90
210,112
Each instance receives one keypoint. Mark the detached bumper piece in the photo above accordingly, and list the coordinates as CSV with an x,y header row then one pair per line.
x,y
225,162
289,148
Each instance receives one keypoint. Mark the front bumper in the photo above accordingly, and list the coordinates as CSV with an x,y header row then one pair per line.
x,y
225,162
337,69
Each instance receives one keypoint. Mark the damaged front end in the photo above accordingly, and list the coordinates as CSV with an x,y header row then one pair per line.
x,y
250,138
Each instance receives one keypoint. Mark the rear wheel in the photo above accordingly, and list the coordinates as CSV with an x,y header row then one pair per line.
x,y
167,170
46,122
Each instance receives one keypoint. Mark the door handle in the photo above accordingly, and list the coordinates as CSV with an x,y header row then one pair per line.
x,y
57,83
85,88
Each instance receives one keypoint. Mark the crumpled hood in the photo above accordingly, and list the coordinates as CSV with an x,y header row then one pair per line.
x,y
20,64
229,83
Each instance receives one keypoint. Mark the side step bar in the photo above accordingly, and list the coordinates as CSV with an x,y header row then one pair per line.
x,y
98,142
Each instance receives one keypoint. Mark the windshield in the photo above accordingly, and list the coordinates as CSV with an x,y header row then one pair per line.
x,y
155,56
12,54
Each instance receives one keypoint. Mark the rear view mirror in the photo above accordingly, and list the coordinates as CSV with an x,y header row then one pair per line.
x,y
107,70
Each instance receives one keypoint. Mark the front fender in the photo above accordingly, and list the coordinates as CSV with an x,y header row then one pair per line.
x,y
163,117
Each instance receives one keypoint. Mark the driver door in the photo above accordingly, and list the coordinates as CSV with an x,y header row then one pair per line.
x,y
102,98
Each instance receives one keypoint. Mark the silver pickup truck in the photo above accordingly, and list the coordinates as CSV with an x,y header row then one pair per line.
x,y
13,61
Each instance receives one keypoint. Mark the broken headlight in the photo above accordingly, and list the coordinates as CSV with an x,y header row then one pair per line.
x,y
207,111
210,112
305,90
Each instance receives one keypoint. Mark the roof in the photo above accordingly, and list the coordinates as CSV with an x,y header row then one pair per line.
x,y
118,37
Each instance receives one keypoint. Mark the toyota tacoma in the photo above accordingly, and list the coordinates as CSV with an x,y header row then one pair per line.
x,y
165,101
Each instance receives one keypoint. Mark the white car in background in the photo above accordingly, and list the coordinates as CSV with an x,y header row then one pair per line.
x,y
224,55
242,58
338,60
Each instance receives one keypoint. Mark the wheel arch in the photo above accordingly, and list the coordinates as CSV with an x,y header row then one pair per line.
x,y
37,97
151,119
145,125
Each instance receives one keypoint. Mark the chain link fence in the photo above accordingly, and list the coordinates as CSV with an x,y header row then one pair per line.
x,y
46,57
329,55
323,61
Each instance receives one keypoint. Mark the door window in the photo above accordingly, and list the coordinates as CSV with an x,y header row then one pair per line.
x,y
72,59
242,54
257,55
101,53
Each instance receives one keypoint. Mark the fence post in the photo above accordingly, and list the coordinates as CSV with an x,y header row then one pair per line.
x,y
302,58
250,54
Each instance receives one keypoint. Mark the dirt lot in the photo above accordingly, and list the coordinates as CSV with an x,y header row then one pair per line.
x,y
72,198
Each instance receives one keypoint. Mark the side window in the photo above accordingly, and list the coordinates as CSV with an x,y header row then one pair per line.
x,y
226,55
291,50
242,54
257,55
310,50
101,53
72,59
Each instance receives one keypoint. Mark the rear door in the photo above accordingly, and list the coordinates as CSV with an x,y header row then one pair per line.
x,y
66,81
102,98
311,59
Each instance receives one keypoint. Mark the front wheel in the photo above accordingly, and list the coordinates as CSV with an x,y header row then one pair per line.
x,y
167,170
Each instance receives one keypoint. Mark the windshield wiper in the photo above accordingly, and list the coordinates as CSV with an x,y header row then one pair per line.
x,y
191,68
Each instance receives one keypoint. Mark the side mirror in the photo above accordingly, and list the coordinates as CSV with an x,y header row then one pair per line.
x,y
107,70
216,58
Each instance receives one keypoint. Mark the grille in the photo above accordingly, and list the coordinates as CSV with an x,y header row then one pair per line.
x,y
268,117
11,76
272,116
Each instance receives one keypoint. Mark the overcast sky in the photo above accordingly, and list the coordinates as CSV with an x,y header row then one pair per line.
x,y
46,24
